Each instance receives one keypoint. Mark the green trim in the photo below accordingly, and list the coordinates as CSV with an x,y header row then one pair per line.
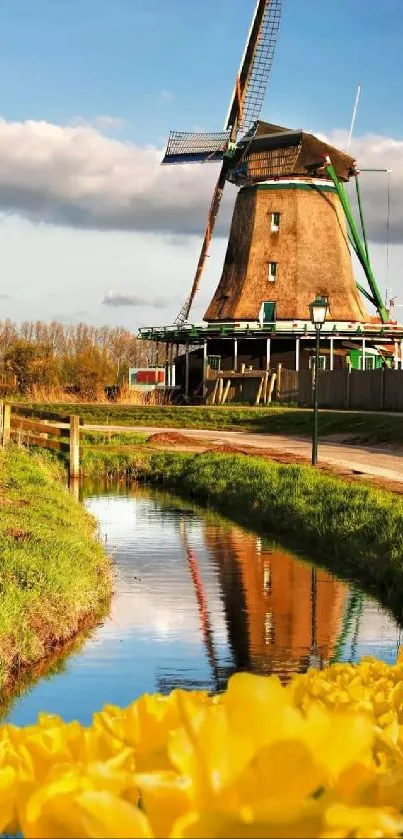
x,y
279,185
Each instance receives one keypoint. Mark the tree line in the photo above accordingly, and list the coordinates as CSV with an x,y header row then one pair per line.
x,y
76,358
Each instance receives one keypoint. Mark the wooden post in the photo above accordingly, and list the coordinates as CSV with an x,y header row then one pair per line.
x,y
265,386
382,388
268,349
226,391
220,390
278,381
272,383
332,353
259,391
235,355
74,459
297,347
204,388
348,387
187,371
363,354
214,394
6,423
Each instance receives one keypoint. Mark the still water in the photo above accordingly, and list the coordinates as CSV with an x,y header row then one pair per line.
x,y
197,598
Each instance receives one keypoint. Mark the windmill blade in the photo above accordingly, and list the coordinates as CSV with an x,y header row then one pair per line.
x,y
211,220
251,84
191,147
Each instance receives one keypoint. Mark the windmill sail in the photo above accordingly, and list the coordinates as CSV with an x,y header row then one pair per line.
x,y
251,85
188,147
244,110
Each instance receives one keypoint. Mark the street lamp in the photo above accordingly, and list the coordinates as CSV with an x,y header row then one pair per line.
x,y
318,310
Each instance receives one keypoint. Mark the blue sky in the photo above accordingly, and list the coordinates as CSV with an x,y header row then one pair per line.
x,y
85,208
89,57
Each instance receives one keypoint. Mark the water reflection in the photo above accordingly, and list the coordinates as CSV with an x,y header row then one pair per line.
x,y
197,598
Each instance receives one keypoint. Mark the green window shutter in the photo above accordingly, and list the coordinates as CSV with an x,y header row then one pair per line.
x,y
269,312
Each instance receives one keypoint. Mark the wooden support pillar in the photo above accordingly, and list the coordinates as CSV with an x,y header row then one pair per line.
x,y
187,370
204,387
74,459
6,423
401,354
297,350
173,368
332,353
363,353
278,382
268,351
235,355
396,357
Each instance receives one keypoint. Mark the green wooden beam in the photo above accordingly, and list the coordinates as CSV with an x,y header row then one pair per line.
x,y
359,247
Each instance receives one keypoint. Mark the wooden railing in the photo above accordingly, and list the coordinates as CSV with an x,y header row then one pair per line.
x,y
30,426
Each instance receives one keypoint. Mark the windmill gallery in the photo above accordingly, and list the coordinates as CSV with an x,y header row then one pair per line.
x,y
292,234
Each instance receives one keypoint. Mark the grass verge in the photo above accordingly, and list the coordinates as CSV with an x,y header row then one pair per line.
x,y
54,575
366,427
354,531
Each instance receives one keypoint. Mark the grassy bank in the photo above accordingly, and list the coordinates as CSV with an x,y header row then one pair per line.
x,y
353,530
55,576
367,427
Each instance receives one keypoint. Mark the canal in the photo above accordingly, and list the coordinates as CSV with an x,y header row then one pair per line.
x,y
197,598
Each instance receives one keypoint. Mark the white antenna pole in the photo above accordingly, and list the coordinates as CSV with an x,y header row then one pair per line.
x,y
357,99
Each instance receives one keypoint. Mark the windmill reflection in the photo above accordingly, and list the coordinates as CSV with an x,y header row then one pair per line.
x,y
282,615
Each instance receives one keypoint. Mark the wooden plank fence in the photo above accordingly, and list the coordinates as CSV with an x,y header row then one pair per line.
x,y
31,426
371,390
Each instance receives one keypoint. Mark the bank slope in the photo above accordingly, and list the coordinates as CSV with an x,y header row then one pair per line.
x,y
54,574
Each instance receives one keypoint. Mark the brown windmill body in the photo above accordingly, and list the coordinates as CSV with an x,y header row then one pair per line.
x,y
288,242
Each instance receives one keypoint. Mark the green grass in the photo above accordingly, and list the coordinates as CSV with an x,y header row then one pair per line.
x,y
366,427
54,574
110,438
353,530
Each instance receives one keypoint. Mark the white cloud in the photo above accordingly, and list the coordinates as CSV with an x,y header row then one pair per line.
x,y
76,176
118,299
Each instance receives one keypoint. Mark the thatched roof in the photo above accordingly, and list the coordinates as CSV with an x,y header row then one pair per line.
x,y
279,152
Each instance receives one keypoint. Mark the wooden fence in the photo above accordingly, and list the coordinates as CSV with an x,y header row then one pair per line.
x,y
30,426
372,390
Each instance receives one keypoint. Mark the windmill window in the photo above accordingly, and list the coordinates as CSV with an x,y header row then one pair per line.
x,y
321,360
214,362
369,363
272,272
275,222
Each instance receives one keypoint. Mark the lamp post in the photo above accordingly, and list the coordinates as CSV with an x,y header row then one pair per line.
x,y
318,310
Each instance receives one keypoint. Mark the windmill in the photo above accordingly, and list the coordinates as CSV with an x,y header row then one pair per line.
x,y
244,110
308,258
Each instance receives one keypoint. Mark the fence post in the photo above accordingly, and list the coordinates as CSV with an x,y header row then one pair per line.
x,y
6,423
348,387
74,460
382,388
278,382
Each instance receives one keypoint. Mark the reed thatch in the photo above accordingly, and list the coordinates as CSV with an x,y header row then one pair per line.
x,y
311,251
305,155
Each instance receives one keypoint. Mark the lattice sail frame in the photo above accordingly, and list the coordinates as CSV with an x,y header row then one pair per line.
x,y
254,93
195,147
